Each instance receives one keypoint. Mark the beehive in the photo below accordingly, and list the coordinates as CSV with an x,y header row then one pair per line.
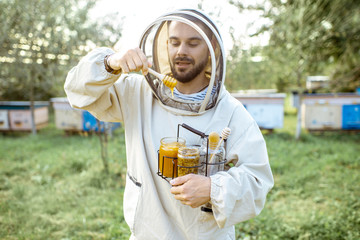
x,y
66,117
71,119
4,120
351,116
329,111
266,109
19,115
322,116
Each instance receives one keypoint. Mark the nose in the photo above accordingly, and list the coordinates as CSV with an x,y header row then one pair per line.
x,y
182,49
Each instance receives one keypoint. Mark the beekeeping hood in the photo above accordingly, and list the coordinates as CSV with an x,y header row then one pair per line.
x,y
154,44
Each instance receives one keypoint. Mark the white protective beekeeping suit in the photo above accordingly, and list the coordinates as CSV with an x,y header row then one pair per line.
x,y
149,113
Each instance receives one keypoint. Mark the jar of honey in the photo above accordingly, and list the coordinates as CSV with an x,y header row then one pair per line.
x,y
215,156
168,155
188,160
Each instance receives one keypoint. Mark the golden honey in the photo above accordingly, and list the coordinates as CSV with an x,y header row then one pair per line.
x,y
168,155
214,139
170,82
188,160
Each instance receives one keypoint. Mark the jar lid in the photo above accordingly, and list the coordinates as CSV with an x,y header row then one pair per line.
x,y
189,150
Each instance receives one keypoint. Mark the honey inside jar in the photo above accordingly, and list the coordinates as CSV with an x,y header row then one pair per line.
x,y
168,155
188,160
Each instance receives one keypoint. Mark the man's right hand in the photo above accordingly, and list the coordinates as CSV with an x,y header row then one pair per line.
x,y
133,60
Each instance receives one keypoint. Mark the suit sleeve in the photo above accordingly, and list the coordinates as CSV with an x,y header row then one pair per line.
x,y
90,87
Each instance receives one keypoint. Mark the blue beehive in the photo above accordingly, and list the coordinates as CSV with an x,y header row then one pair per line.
x,y
90,123
351,116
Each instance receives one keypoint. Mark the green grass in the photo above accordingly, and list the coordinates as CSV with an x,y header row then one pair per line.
x,y
317,187
53,186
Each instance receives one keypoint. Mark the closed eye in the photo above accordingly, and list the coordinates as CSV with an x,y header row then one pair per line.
x,y
194,43
174,42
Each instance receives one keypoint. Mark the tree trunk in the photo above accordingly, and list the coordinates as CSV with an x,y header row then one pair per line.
x,y
103,145
298,124
32,104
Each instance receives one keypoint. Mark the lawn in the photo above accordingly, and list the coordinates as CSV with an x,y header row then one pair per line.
x,y
52,186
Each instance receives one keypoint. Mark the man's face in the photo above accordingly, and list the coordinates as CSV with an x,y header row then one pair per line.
x,y
188,52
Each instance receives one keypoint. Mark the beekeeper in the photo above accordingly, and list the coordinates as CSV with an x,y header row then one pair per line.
x,y
186,45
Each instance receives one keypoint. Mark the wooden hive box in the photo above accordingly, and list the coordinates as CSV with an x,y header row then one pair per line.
x,y
19,114
351,116
4,120
325,111
66,117
321,117
266,109
71,119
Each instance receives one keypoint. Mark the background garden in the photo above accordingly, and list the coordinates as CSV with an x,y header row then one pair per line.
x,y
54,185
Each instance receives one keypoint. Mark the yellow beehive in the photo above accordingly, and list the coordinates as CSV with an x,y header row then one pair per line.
x,y
321,116
21,119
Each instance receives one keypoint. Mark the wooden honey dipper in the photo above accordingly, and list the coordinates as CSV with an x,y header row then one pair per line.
x,y
214,138
168,81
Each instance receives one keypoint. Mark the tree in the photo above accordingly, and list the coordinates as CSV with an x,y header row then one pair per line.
x,y
309,37
247,68
41,40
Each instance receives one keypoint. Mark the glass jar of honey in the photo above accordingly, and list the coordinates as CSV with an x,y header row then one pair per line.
x,y
215,156
188,160
168,155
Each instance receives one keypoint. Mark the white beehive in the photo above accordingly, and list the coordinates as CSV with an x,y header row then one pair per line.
x,y
266,109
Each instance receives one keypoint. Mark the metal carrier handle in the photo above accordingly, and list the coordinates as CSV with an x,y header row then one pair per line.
x,y
201,134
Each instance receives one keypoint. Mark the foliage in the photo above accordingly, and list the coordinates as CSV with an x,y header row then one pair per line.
x,y
41,40
311,38
53,186
244,73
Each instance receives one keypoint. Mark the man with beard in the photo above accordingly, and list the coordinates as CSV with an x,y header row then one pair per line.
x,y
185,44
188,57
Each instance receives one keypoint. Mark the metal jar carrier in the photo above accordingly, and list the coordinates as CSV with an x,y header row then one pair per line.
x,y
169,165
201,168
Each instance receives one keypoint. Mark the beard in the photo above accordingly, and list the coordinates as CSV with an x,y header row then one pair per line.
x,y
183,76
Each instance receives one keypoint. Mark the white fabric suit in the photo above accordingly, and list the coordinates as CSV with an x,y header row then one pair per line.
x,y
150,210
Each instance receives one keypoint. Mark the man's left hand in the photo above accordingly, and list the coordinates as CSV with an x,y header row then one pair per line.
x,y
191,189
